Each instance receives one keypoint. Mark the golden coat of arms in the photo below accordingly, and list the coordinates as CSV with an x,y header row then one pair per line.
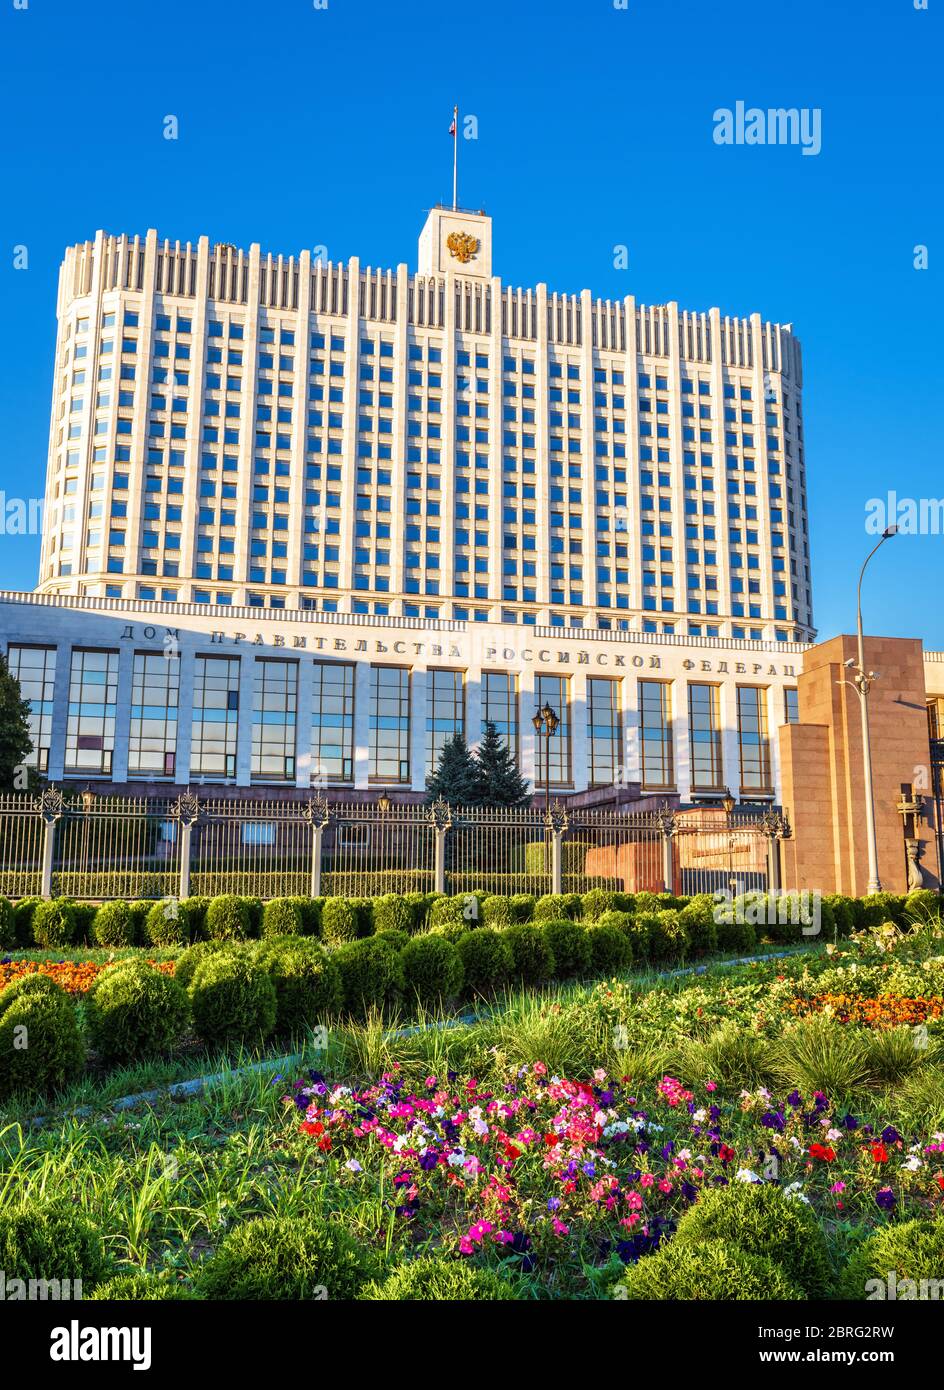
x,y
462,245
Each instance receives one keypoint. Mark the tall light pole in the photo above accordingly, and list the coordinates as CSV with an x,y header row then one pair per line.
x,y
545,721
862,680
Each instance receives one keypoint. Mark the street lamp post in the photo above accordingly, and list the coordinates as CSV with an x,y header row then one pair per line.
x,y
545,721
728,803
862,680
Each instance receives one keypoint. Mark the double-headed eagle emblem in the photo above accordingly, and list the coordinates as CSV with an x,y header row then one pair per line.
x,y
462,245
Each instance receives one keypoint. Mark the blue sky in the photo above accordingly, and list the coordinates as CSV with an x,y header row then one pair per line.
x,y
304,126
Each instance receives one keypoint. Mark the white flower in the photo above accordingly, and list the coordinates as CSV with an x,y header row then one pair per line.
x,y
700,1116
745,1175
456,1158
834,1134
912,1164
353,1166
794,1193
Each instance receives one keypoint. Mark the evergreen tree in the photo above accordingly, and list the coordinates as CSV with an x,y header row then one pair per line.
x,y
15,741
500,782
456,777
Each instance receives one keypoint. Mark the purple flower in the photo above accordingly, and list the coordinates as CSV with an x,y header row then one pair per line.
x,y
885,1198
890,1135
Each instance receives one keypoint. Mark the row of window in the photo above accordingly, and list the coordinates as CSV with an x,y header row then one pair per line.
x,y
275,714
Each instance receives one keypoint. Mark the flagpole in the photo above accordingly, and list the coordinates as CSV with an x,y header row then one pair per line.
x,y
455,155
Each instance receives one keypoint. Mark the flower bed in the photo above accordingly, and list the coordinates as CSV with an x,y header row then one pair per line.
x,y
884,1011
75,977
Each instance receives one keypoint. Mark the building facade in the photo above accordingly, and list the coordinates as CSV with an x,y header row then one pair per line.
x,y
233,429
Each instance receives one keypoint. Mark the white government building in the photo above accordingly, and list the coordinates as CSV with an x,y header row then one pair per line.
x,y
304,520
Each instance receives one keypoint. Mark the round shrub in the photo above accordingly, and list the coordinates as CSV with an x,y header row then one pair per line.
x,y
600,901
135,1288
195,911
553,907
462,911
497,911
254,910
698,922
371,973
23,915
908,1249
309,910
166,924
843,910
287,1258
759,1219
878,908
432,970
84,914
487,960
531,953
420,906
734,925
449,1281
185,966
920,905
713,1270
392,912
41,1046
227,918
610,949
33,983
523,905
134,1010
667,937
338,920
570,946
114,925
648,904
7,925
54,923
233,999
307,984
281,917
49,1239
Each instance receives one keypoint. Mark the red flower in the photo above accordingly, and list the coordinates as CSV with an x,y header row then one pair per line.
x,y
551,1139
725,1153
325,1144
311,1127
879,1153
823,1152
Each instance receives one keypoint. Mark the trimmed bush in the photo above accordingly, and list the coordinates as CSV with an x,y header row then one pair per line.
x,y
166,924
133,1010
713,1270
420,905
233,1000
843,910
442,1281
668,940
464,910
762,1221
392,912
310,910
54,1053
254,910
227,918
921,904
33,983
286,1258
338,921
570,946
195,911
49,1239
497,911
487,960
281,917
698,923
878,908
7,925
23,915
371,973
54,923
553,907
531,952
432,970
599,901
911,1250
186,964
84,914
136,1288
307,983
648,904
114,925
523,905
611,950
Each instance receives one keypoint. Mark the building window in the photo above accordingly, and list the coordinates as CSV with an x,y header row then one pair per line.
x,y
35,670
274,714
332,722
93,701
215,716
655,734
704,731
791,704
553,690
500,706
445,712
389,753
604,732
258,832
753,740
152,745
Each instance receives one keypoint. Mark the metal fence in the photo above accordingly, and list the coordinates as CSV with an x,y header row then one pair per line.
x,y
100,847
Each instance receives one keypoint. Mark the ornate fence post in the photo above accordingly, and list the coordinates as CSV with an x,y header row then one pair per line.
x,y
187,812
317,813
440,816
50,806
667,822
775,827
556,822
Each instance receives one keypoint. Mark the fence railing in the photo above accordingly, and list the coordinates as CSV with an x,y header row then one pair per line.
x,y
100,847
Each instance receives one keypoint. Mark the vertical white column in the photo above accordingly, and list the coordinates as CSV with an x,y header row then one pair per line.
x,y
473,706
184,716
579,717
244,732
765,574
676,469
447,444
398,439
419,694
587,463
119,757
348,460
527,703
60,711
247,431
362,675
723,547
194,443
138,438
730,752
681,744
632,521
297,482
303,724
543,461
495,498
632,744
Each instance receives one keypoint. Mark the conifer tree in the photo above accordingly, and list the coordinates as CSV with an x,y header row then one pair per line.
x,y
500,782
456,777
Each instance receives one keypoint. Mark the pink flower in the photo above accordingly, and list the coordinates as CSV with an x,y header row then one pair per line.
x,y
539,1069
838,1187
711,1086
560,1228
646,1180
